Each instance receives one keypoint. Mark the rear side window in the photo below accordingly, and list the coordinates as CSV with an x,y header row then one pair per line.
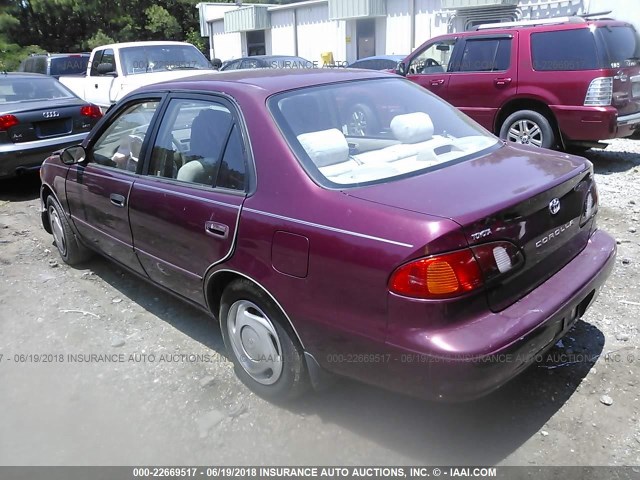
x,y
486,55
621,46
564,50
71,65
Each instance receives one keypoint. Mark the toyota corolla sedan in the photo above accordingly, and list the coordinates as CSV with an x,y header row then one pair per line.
x,y
424,256
37,116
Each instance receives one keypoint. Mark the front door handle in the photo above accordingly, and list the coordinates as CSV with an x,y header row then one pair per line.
x,y
502,81
117,200
217,229
437,83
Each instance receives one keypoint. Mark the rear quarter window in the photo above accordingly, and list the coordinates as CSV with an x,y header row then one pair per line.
x,y
564,50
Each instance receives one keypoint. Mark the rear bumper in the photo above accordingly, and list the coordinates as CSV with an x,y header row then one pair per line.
x,y
18,157
594,123
471,359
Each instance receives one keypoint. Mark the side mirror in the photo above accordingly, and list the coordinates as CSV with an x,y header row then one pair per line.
x,y
401,69
106,69
73,155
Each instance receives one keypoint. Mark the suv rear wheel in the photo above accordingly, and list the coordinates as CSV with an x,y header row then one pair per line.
x,y
528,128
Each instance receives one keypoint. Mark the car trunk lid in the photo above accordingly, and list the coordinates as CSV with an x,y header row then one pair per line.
x,y
505,196
42,120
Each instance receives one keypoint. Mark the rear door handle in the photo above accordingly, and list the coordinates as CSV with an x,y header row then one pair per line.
x,y
436,83
502,81
117,200
217,229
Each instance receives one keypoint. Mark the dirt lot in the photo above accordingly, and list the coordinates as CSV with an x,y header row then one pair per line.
x,y
169,396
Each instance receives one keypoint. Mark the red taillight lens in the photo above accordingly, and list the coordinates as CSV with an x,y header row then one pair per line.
x,y
92,111
441,276
7,121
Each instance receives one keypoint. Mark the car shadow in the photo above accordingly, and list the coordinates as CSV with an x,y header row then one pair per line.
x,y
606,162
482,432
19,189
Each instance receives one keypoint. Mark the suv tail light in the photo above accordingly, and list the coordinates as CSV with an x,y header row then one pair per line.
x,y
600,92
453,274
92,111
8,121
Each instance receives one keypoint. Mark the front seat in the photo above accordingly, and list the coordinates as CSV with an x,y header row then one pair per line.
x,y
209,130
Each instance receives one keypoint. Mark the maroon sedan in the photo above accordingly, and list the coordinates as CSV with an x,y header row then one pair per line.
x,y
424,255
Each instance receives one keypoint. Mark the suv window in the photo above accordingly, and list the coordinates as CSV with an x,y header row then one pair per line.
x,y
69,65
564,50
434,59
622,46
485,55
120,145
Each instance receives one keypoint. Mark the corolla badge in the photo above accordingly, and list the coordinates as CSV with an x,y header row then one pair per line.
x,y
554,206
50,114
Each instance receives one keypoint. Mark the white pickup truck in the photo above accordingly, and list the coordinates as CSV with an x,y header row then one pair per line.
x,y
117,69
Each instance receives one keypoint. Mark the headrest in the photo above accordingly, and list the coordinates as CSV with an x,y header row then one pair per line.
x,y
326,147
412,127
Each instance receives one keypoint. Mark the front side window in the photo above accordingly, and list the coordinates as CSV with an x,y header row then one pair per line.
x,y
564,50
434,59
199,142
485,55
120,144
408,133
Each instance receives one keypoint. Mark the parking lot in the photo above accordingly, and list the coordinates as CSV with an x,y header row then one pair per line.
x,y
99,368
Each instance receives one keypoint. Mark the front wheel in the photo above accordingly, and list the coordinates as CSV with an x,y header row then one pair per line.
x,y
70,249
266,354
528,128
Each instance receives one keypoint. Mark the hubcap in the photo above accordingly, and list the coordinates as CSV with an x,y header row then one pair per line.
x,y
255,342
58,232
358,124
526,132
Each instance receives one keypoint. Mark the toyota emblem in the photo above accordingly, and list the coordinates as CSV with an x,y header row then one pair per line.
x,y
554,206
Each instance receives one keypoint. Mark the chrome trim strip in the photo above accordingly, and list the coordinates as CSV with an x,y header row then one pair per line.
x,y
326,227
49,142
265,291
627,119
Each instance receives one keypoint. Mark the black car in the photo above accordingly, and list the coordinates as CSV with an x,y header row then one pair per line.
x,y
267,61
38,115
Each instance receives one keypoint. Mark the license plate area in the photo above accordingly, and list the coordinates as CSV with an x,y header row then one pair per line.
x,y
54,128
635,86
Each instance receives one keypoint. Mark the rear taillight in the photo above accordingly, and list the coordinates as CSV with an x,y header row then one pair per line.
x,y
440,276
92,111
600,92
8,121
453,274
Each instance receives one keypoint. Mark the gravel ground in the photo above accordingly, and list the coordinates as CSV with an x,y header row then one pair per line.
x,y
169,396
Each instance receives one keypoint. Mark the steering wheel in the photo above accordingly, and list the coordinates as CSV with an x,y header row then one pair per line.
x,y
430,62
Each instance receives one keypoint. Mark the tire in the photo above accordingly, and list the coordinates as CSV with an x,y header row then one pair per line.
x,y
529,128
70,249
361,121
265,352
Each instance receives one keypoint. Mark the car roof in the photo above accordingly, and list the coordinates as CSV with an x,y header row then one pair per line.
x,y
382,57
142,44
265,82
23,75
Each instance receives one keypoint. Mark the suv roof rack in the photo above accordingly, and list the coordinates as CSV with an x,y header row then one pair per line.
x,y
532,23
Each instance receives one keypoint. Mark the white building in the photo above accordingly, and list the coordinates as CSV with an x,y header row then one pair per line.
x,y
352,29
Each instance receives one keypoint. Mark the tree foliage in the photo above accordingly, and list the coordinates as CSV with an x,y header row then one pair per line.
x,y
28,26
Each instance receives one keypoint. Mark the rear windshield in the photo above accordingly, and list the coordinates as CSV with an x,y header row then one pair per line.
x,y
23,89
71,65
621,46
355,133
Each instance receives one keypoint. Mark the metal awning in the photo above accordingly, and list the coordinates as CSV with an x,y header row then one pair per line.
x,y
345,9
245,19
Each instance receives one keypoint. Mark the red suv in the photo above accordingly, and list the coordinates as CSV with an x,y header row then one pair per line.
x,y
561,83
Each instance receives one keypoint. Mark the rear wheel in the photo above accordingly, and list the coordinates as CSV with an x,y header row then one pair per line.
x,y
70,249
528,128
266,354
